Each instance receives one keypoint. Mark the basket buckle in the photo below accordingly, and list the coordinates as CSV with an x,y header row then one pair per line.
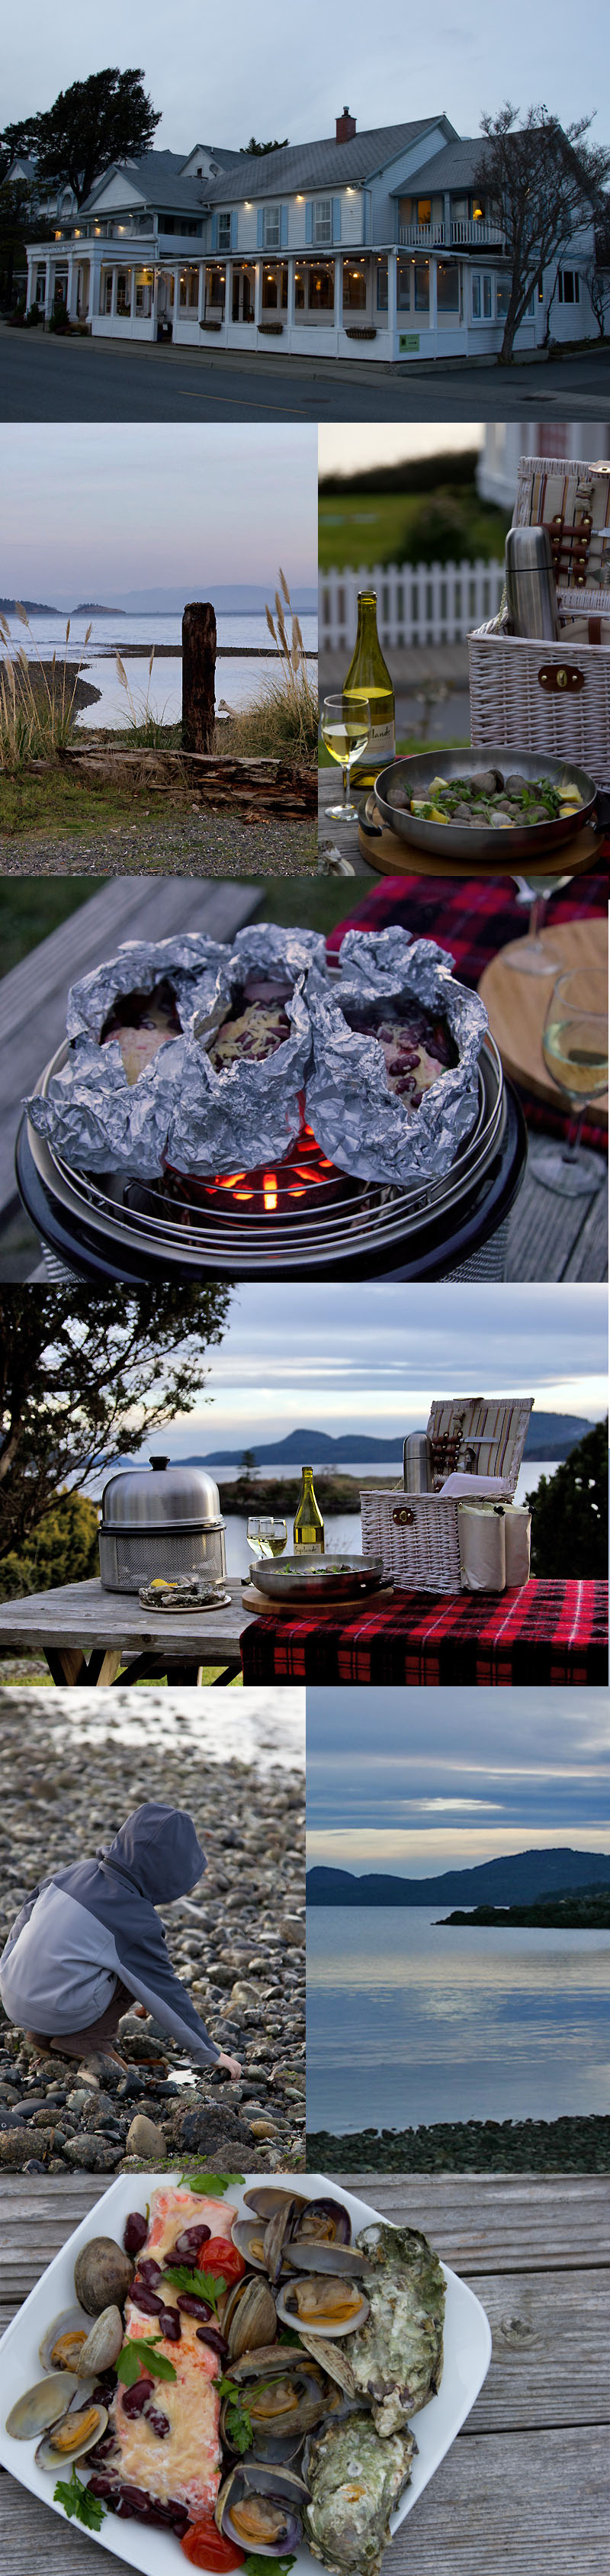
x,y
403,1515
562,675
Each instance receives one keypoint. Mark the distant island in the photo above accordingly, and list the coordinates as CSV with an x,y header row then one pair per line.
x,y
585,1909
93,608
519,1878
33,608
549,1435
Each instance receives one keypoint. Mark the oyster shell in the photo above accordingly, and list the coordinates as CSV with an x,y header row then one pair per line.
x,y
397,2358
355,2479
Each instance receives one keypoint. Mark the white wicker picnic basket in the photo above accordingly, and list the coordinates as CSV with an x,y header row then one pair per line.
x,y
543,697
551,698
418,1536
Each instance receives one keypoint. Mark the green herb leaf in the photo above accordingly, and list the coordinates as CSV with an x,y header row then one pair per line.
x,y
204,2285
78,2502
213,2183
239,2424
255,2566
137,2356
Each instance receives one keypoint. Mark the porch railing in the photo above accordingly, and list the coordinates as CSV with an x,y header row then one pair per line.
x,y
460,234
416,603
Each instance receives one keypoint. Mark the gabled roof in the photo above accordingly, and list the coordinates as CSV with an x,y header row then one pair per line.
x,y
156,179
326,164
455,167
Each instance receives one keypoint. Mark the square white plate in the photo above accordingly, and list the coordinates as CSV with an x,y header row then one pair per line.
x,y
157,2553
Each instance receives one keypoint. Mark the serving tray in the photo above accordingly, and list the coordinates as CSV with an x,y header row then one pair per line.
x,y
158,2553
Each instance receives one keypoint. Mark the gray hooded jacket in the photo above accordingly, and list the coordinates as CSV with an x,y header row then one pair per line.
x,y
89,1924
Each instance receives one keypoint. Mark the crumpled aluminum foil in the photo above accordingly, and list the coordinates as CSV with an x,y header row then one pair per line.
x,y
180,1111
363,1126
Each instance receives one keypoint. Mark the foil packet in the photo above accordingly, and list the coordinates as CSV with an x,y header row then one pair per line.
x,y
364,1126
180,1111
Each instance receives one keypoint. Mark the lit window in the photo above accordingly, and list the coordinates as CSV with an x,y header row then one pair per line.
x,y
272,225
323,220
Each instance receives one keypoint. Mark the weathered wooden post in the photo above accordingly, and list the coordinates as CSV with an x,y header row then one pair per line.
x,y
198,669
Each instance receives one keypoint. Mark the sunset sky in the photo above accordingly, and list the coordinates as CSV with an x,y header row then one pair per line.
x,y
422,1780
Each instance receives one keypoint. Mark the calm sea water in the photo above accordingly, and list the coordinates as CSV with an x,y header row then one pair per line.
x,y
342,1530
408,2022
236,681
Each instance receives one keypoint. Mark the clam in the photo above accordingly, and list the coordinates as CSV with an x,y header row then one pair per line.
x,y
41,2406
324,2303
74,2433
62,2344
259,2507
325,2220
247,2316
102,2346
332,2361
266,2198
345,2261
284,2395
103,2274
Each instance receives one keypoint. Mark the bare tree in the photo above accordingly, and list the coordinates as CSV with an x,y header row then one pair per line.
x,y
597,272
546,184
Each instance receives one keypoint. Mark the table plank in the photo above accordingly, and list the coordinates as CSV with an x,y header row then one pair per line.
x,y
83,1615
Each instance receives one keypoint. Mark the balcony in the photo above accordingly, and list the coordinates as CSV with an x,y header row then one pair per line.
x,y
461,234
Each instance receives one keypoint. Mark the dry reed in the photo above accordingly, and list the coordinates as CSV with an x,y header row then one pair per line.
x,y
284,718
37,717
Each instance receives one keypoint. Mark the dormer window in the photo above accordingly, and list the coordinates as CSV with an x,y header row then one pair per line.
x,y
272,225
322,221
224,232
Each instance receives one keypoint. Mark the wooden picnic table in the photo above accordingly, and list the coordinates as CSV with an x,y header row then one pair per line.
x,y
88,1635
525,2484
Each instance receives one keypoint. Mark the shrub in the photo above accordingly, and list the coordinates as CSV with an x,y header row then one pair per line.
x,y
63,1549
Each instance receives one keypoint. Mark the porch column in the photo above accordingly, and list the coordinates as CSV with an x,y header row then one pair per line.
x,y
176,276
132,295
258,293
433,305
115,276
70,289
290,309
94,280
201,302
447,217
392,296
48,295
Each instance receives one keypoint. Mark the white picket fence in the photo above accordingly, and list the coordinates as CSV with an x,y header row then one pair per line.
x,y
416,603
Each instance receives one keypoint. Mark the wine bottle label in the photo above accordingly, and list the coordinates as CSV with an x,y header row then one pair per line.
x,y
310,1542
381,747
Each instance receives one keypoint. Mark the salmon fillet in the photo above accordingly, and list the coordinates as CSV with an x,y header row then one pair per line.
x,y
183,2463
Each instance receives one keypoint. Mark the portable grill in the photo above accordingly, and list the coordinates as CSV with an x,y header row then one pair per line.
x,y
302,1216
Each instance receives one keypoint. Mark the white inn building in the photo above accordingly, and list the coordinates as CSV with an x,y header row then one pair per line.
x,y
372,245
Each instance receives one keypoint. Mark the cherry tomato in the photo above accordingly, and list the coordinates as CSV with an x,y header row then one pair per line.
x,y
219,2255
205,2546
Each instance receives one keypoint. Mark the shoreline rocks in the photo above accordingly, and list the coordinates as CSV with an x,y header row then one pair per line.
x,y
566,2145
60,1797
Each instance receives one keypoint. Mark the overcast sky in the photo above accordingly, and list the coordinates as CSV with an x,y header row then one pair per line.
x,y
346,446
116,506
347,1357
413,1781
220,80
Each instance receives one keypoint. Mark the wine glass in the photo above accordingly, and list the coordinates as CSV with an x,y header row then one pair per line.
x,y
345,728
575,1050
253,1535
529,956
273,1536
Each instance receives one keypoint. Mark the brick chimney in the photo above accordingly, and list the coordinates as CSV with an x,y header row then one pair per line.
x,y
346,127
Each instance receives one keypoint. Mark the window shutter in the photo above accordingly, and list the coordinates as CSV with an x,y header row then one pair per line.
x,y
336,219
214,232
309,221
284,227
259,229
234,231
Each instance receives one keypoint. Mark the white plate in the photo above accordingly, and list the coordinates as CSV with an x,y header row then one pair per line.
x,y
158,2553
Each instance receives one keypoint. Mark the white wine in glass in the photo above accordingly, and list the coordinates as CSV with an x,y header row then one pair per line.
x,y
253,1536
345,728
273,1535
575,1050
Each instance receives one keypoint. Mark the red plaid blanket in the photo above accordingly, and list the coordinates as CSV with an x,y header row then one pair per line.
x,y
474,917
546,1632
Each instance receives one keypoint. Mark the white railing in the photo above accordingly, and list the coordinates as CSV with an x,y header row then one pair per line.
x,y
416,603
461,234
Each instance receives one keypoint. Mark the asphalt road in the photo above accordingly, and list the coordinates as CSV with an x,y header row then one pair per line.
x,y
50,379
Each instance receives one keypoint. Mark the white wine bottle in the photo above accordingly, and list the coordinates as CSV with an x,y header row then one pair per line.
x,y
368,677
308,1529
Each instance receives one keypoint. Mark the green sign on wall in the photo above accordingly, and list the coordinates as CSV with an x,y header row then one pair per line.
x,y
407,340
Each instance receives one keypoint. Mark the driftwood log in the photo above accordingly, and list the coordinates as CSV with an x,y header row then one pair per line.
x,y
284,787
198,675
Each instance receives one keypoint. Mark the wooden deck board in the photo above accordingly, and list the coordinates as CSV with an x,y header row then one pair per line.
x,y
526,2482
75,1615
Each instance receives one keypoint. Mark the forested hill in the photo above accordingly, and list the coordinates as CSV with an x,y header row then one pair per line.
x,y
515,1880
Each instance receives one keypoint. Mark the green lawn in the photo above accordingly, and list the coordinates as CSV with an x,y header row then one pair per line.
x,y
367,527
57,804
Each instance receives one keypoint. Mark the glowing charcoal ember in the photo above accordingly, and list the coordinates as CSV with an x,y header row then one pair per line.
x,y
180,2463
303,1175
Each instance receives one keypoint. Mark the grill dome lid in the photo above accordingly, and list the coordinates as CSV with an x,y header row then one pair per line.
x,y
136,1499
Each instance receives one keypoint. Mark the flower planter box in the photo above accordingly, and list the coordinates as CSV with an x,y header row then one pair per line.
x,y
358,331
273,329
210,326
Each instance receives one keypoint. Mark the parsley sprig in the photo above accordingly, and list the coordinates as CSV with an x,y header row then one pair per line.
x,y
204,2285
78,2502
238,2420
213,2183
140,2355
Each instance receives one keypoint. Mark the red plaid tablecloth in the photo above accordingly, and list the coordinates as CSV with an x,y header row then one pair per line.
x,y
474,917
545,1632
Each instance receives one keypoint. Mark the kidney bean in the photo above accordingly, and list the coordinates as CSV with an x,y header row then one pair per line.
x,y
149,2272
191,2306
159,2423
213,2336
148,2300
190,2239
170,2325
135,2232
135,2399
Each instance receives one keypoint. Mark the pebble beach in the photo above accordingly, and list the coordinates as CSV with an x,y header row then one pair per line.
x,y
67,1780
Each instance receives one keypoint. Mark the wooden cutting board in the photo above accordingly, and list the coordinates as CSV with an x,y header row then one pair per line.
x,y
391,857
266,1608
517,1004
